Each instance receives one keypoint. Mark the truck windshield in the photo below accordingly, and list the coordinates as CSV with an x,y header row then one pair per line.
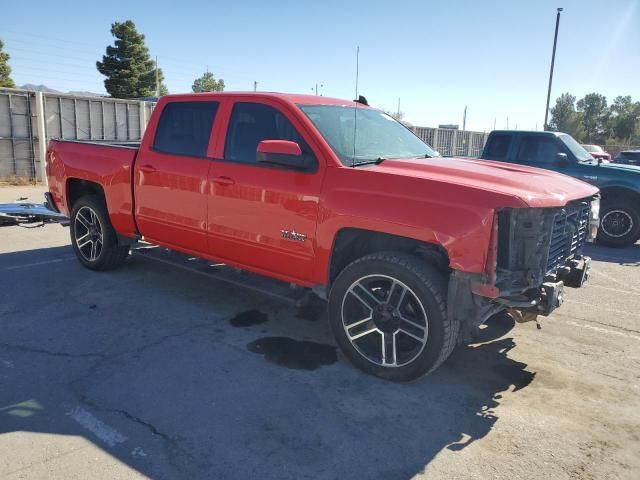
x,y
578,150
364,135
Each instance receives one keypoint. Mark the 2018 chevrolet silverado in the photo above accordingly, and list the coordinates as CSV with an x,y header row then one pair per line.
x,y
411,250
619,184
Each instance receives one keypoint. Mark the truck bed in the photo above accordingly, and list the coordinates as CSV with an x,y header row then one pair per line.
x,y
108,164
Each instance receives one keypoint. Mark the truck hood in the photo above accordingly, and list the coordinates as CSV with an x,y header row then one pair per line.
x,y
621,167
535,187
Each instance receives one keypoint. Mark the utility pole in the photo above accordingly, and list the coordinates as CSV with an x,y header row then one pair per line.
x,y
316,89
494,123
398,114
157,79
507,123
464,119
553,59
255,85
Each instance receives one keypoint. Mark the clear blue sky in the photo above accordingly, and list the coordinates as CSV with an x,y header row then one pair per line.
x,y
437,56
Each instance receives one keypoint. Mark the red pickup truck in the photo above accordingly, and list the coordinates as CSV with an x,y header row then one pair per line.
x,y
412,251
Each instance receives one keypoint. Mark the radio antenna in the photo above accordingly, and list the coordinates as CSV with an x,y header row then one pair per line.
x,y
357,68
355,110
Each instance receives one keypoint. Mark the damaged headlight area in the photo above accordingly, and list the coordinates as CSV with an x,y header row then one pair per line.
x,y
539,252
539,245
594,219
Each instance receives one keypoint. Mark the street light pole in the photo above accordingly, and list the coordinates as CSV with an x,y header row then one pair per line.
x,y
553,59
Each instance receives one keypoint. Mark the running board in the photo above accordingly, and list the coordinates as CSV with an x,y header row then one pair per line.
x,y
287,292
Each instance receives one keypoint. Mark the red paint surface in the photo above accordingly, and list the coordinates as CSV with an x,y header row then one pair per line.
x,y
235,212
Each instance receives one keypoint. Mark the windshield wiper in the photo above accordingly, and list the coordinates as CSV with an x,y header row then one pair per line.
x,y
377,161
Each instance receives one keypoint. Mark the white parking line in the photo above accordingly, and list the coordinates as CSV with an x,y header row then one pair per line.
x,y
35,264
612,289
615,280
104,432
609,309
602,330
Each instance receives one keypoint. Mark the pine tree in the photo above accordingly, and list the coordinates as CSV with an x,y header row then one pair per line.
x,y
129,70
5,69
208,83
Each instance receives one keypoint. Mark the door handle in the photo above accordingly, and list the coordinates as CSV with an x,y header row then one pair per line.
x,y
223,181
147,168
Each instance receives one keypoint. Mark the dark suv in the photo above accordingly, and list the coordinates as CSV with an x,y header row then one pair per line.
x,y
628,157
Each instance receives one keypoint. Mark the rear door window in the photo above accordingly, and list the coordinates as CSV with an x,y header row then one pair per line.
x,y
184,128
538,151
497,147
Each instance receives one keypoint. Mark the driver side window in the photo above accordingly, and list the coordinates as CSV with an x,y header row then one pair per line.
x,y
251,123
538,150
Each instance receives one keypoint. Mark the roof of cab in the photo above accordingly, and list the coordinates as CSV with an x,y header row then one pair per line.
x,y
528,132
296,98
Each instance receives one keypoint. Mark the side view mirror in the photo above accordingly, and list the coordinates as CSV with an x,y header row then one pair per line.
x,y
283,153
562,160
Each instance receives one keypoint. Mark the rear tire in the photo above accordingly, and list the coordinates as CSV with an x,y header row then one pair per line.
x,y
619,223
388,313
93,238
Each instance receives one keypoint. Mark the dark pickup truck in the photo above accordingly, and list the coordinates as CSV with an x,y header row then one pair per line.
x,y
619,184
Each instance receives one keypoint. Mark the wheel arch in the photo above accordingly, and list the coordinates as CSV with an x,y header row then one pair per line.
x,y
77,188
617,192
349,244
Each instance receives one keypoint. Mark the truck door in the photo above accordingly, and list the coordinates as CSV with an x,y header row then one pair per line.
x,y
170,178
263,217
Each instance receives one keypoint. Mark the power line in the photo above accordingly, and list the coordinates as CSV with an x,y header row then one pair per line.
x,y
172,60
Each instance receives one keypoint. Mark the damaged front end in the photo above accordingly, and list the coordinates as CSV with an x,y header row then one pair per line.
x,y
23,213
534,254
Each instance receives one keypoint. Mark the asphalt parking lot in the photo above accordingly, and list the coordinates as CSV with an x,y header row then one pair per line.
x,y
151,371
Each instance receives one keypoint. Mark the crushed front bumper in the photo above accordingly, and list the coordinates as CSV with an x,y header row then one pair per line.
x,y
550,295
471,309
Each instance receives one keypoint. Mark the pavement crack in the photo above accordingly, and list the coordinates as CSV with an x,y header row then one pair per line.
x,y
24,348
148,425
177,456
164,338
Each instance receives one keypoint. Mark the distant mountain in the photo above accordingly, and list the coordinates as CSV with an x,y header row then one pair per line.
x,y
86,94
44,88
38,88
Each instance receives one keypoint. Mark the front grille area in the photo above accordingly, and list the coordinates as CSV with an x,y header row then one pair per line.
x,y
533,243
568,233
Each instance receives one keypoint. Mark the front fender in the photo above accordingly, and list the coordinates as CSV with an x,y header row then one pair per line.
x,y
457,218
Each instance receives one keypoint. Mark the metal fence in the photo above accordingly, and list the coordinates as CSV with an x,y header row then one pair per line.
x,y
17,142
26,117
450,142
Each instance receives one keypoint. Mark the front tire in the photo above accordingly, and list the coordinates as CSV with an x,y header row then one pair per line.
x,y
94,240
619,223
388,313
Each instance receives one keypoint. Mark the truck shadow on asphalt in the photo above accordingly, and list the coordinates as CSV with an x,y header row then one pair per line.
x,y
628,256
153,361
